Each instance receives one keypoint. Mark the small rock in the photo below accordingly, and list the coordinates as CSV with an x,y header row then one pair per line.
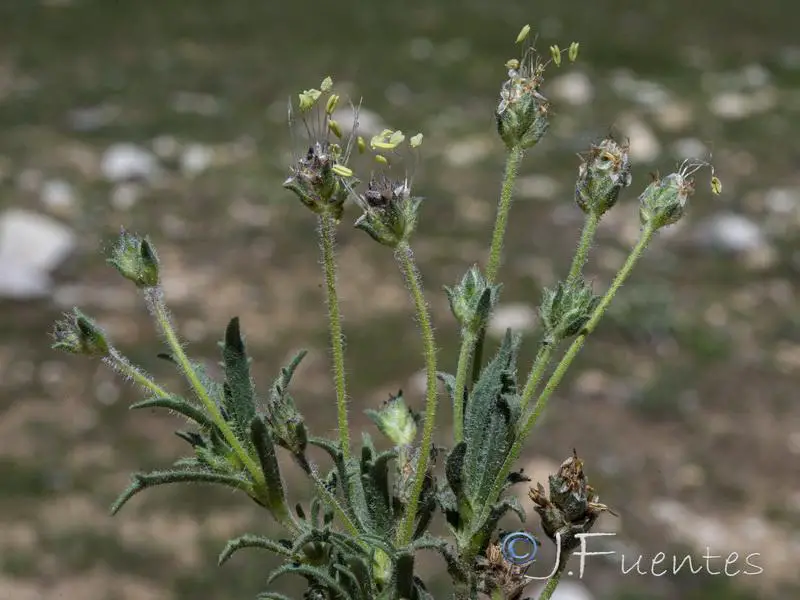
x,y
124,162
57,195
369,123
469,151
574,88
568,590
689,148
31,245
517,317
732,232
782,201
93,117
537,186
644,145
196,158
125,196
166,147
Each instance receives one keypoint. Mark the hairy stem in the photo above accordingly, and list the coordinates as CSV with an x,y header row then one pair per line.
x,y
566,361
122,365
513,160
464,361
587,235
406,259
327,225
537,371
552,582
155,300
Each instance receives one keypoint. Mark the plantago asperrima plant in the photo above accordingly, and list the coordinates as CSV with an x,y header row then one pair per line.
x,y
372,510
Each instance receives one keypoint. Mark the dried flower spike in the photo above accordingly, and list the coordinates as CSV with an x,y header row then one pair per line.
x,y
602,175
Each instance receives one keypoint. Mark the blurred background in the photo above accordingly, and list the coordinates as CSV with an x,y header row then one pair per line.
x,y
168,117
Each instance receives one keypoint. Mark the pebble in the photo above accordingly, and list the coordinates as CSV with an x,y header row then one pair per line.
x,y
568,590
644,145
517,317
573,88
732,232
124,162
195,159
57,195
31,246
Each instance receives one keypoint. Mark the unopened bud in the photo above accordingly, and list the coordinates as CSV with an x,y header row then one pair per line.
x,y
472,300
78,334
135,259
566,309
572,53
555,53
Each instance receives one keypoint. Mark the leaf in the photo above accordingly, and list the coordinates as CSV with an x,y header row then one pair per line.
x,y
238,391
177,404
490,421
252,541
142,481
450,555
313,575
403,575
265,449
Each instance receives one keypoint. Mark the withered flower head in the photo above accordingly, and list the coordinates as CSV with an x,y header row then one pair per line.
x,y
663,202
603,172
522,114
573,506
321,178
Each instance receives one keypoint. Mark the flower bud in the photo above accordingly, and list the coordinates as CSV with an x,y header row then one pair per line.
x,y
601,176
472,299
396,420
566,309
135,259
390,211
573,506
78,334
663,202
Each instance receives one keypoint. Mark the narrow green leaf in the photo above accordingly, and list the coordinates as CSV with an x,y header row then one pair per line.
x,y
265,449
239,392
142,481
253,541
178,405
313,575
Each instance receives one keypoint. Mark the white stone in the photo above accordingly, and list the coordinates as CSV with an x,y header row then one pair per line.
x,y
566,590
537,186
782,201
124,161
573,88
125,196
517,317
644,145
196,158
31,246
689,148
733,232
57,195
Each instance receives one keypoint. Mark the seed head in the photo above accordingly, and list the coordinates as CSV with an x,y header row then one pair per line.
x,y
573,506
603,172
321,178
522,114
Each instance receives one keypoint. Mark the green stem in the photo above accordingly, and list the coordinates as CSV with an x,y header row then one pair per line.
x,y
566,361
155,300
513,160
331,500
327,225
406,259
579,260
537,371
552,582
464,360
121,364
